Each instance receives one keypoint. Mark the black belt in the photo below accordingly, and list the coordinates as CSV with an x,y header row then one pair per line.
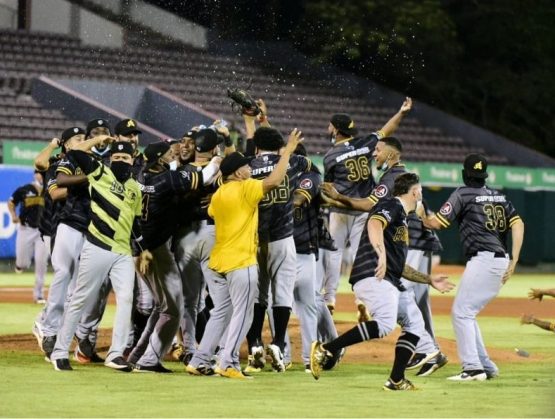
x,y
495,255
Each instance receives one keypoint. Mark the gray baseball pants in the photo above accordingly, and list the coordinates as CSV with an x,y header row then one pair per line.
x,y
409,313
29,245
480,283
95,265
165,283
344,229
65,261
326,326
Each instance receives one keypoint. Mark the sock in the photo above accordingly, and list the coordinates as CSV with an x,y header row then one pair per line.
x,y
254,336
359,333
404,349
281,320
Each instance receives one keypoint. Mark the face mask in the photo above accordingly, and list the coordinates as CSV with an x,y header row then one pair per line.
x,y
332,139
173,165
384,165
121,170
100,152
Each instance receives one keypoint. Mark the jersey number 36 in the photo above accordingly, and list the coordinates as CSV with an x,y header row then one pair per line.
x,y
358,168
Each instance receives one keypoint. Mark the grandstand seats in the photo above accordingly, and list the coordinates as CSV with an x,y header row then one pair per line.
x,y
200,78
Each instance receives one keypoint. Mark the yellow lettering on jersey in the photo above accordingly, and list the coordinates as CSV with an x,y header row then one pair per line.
x,y
401,235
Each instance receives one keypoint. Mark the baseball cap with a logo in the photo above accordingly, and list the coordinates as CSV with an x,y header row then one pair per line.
x,y
206,140
154,151
476,166
122,147
97,123
71,132
344,124
127,127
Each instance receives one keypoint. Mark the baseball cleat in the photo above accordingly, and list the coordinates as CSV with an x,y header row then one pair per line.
x,y
490,375
318,357
404,384
331,307
469,375
276,356
177,351
433,365
37,332
48,343
363,315
201,370
18,270
307,369
258,357
40,301
62,364
118,364
158,368
250,368
231,372
418,360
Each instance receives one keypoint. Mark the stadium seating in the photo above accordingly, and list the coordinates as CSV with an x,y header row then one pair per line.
x,y
200,78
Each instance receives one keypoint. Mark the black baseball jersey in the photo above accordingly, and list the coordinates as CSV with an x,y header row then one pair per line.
x,y
49,218
160,218
348,165
76,209
305,217
30,200
275,211
138,164
420,238
194,205
484,216
390,212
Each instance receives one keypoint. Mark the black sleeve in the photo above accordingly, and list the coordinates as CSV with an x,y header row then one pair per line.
x,y
19,195
250,148
85,161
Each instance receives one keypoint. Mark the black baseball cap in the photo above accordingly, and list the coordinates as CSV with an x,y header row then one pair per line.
x,y
96,123
127,127
206,140
232,162
122,147
154,151
476,166
170,141
70,132
344,124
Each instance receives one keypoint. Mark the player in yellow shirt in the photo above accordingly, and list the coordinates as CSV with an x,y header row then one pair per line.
x,y
233,283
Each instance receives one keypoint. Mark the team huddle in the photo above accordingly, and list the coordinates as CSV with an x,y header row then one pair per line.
x,y
200,243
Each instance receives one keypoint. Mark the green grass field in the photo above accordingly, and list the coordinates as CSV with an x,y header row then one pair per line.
x,y
31,388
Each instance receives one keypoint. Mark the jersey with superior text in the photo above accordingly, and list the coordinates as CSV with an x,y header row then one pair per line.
x,y
348,165
391,214
420,237
276,209
160,219
305,217
484,216
76,210
31,204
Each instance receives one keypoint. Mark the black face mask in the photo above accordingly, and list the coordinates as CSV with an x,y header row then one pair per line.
x,y
121,170
472,182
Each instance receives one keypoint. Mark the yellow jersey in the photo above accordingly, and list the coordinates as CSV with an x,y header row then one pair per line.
x,y
234,208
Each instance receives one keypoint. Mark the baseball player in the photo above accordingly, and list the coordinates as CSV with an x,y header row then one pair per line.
x,y
28,243
195,239
376,280
277,255
128,130
484,216
233,285
422,242
74,219
347,166
115,212
159,222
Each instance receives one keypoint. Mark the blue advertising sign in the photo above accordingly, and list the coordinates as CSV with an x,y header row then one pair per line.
x,y
12,177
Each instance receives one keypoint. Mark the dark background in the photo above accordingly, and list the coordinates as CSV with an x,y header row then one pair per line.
x,y
489,62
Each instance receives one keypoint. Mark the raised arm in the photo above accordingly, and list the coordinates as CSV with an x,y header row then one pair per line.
x,y
42,162
280,170
391,126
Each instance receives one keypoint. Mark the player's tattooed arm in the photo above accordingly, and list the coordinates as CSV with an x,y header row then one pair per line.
x,y
391,126
336,199
439,282
375,234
